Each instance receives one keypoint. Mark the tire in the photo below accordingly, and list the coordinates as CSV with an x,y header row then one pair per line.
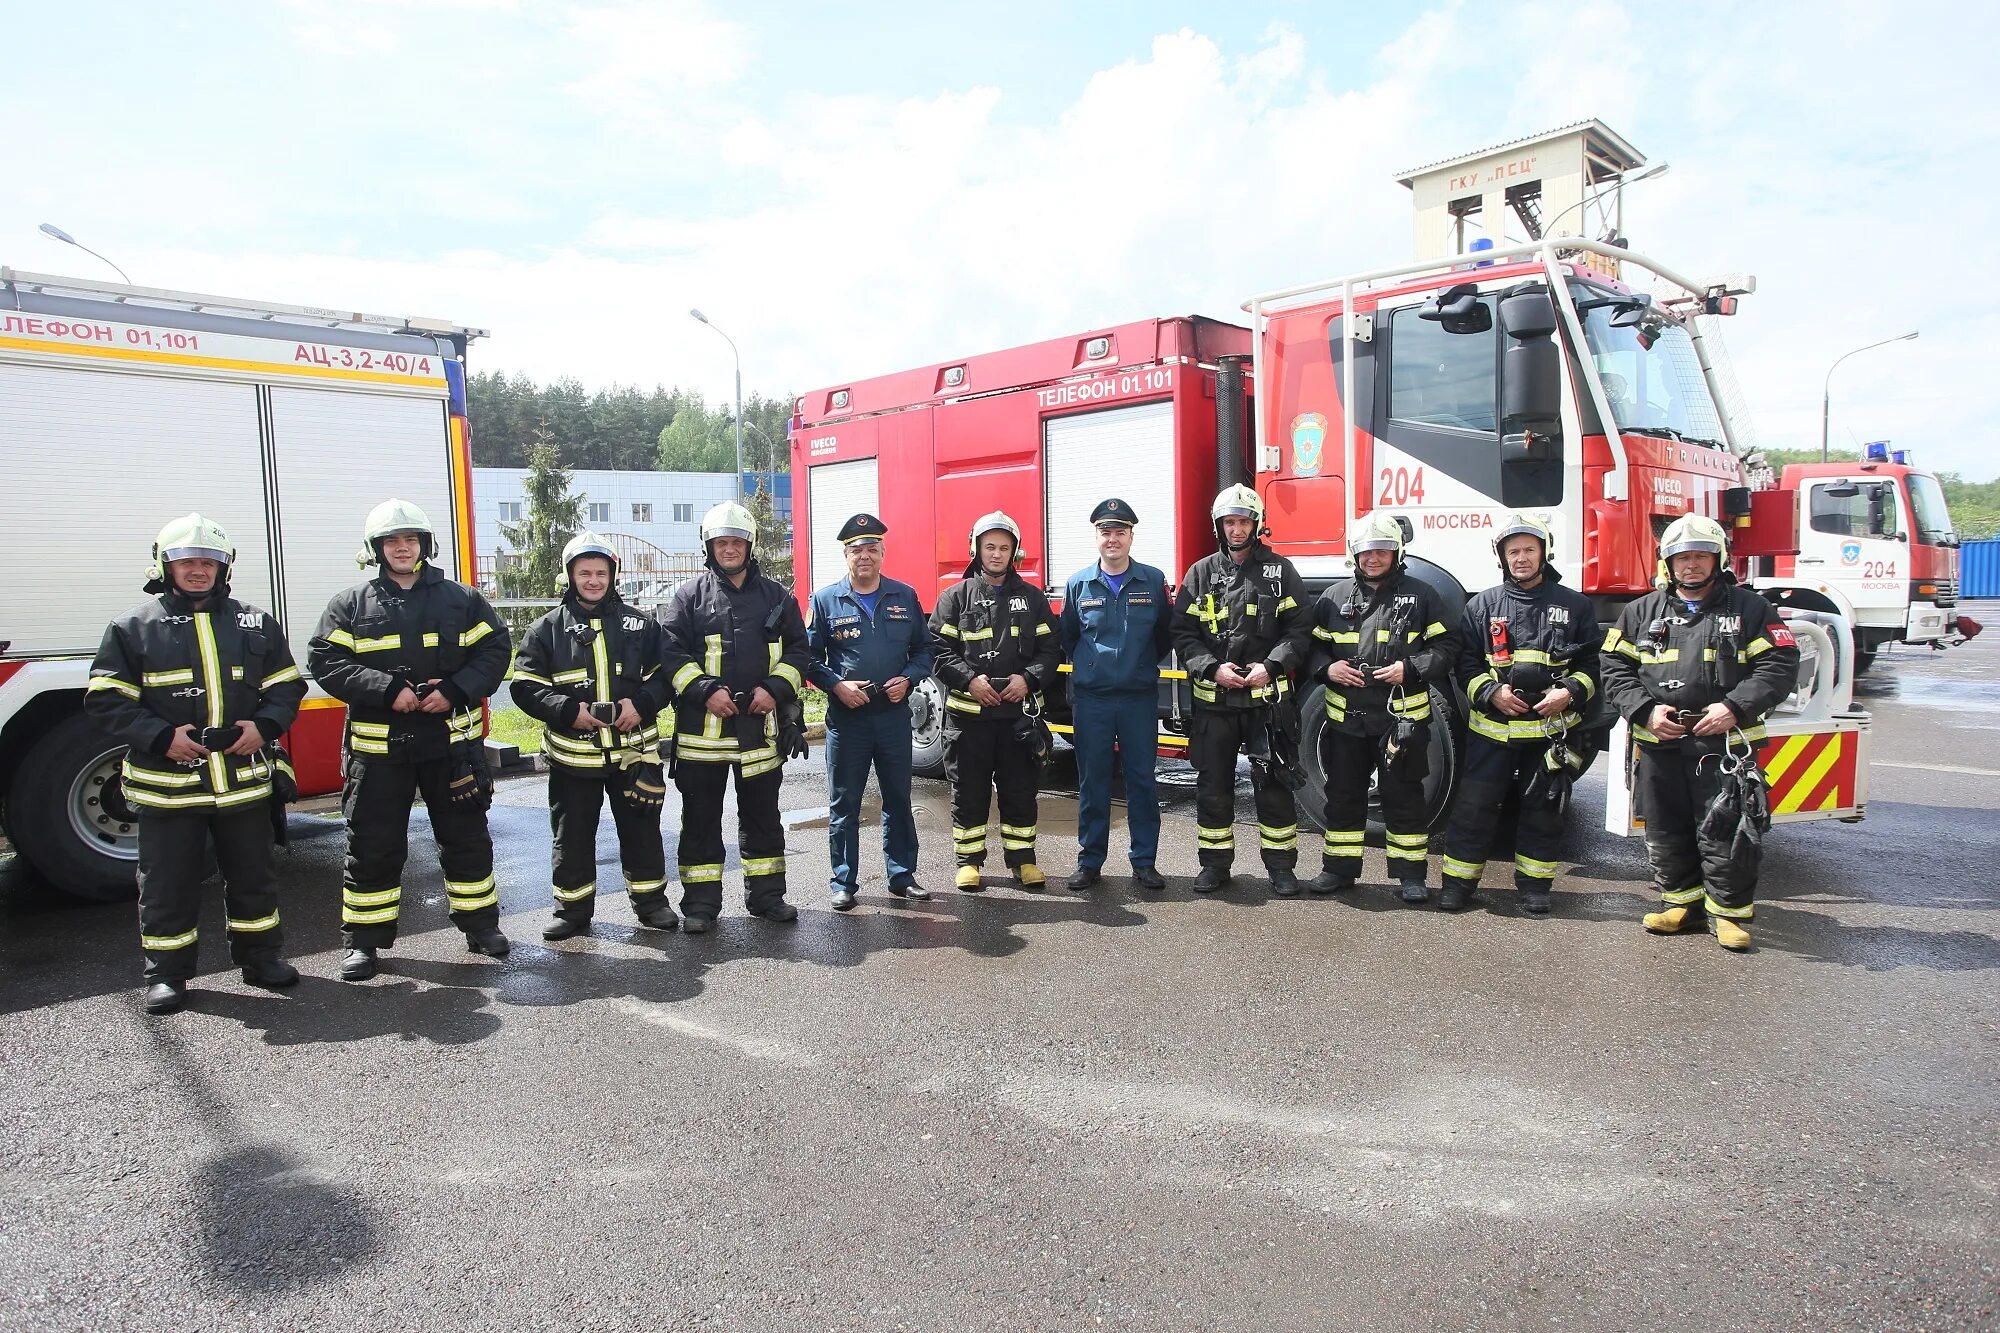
x,y
68,816
1439,784
927,729
1863,659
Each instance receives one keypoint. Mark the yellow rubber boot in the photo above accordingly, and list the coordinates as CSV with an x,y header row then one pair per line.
x,y
968,879
1668,921
1031,877
1730,935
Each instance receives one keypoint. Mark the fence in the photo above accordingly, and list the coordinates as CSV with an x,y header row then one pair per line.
x,y
1979,568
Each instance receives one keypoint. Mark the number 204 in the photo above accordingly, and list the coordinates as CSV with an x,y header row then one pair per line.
x,y
1401,486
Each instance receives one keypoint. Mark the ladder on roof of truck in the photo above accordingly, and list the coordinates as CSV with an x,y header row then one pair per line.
x,y
160,298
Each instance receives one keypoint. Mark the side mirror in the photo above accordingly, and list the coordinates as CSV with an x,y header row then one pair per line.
x,y
1530,371
1525,315
1842,490
1459,309
1404,526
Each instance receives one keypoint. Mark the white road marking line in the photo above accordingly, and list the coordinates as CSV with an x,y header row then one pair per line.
x,y
1939,768
757,1048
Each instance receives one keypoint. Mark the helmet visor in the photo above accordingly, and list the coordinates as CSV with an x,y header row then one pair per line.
x,y
1686,545
195,553
1377,544
743,534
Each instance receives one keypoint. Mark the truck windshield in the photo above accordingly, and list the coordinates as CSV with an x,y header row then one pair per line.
x,y
1650,373
1927,510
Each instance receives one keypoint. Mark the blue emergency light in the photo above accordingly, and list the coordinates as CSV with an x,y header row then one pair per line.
x,y
1877,452
1902,457
1483,243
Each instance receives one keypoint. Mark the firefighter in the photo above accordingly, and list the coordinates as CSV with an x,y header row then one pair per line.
x,y
1527,659
1379,643
996,648
1695,666
869,647
413,655
735,653
1114,631
589,672
200,686
1239,626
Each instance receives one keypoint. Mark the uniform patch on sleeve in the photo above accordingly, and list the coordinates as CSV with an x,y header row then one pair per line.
x,y
1780,637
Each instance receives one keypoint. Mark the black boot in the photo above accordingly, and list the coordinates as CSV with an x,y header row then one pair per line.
x,y
1413,891
166,997
1535,900
1083,877
777,911
1326,881
1284,883
914,891
1211,878
696,925
1454,896
487,940
658,916
359,965
561,928
270,973
1146,877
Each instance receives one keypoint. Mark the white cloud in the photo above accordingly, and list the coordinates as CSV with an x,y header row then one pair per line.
x,y
646,57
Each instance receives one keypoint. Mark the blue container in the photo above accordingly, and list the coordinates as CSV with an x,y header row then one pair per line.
x,y
1979,568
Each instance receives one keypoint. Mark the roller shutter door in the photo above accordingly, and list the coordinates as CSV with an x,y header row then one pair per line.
x,y
1091,456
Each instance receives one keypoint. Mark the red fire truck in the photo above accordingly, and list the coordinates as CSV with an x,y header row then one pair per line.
x,y
122,407
1876,545
1449,393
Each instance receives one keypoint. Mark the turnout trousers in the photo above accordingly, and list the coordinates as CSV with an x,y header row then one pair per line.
x,y
1493,772
1215,737
173,862
857,741
576,799
1351,761
376,802
760,836
983,756
1127,722
1673,793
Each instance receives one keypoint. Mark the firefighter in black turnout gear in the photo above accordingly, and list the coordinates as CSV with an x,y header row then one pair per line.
x,y
996,650
1379,642
589,672
200,686
1528,661
734,651
1695,666
1239,628
414,656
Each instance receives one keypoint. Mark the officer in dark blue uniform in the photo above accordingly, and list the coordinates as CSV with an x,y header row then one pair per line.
x,y
869,643
1115,631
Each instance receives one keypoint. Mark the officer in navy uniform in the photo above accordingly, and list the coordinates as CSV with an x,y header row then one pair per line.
x,y
1115,629
868,645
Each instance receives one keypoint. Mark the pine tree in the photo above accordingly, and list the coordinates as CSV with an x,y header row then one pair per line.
x,y
554,515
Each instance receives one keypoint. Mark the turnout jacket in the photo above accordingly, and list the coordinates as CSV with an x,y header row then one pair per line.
x,y
378,637
846,643
166,665
980,630
1732,648
1533,639
603,654
715,635
1116,640
1242,613
1399,619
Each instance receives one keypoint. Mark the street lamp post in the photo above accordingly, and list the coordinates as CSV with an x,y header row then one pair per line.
x,y
1826,390
52,230
739,398
1618,192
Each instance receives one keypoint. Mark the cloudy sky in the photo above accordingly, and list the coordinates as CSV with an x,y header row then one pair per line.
x,y
854,188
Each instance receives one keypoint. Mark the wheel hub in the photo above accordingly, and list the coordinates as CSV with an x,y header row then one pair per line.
x,y
98,811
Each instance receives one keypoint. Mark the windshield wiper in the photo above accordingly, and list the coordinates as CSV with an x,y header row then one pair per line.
x,y
1656,432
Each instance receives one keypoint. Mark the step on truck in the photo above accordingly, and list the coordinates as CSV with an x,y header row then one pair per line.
x,y
122,407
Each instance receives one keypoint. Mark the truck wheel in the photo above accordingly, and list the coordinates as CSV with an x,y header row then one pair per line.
x,y
1863,659
68,815
1439,784
927,729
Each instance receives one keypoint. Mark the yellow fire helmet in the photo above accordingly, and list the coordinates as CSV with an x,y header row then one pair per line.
x,y
1376,531
997,521
583,544
191,537
1238,500
1694,532
729,519
386,520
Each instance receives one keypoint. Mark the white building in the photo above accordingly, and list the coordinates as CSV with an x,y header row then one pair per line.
x,y
656,516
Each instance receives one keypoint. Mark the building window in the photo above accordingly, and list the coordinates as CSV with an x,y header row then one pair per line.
x,y
684,513
642,513
600,513
510,511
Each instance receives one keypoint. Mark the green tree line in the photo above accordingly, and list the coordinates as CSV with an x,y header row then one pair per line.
x,y
1974,505
621,428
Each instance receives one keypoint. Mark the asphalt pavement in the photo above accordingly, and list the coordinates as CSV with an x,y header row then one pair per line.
x,y
1020,1111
